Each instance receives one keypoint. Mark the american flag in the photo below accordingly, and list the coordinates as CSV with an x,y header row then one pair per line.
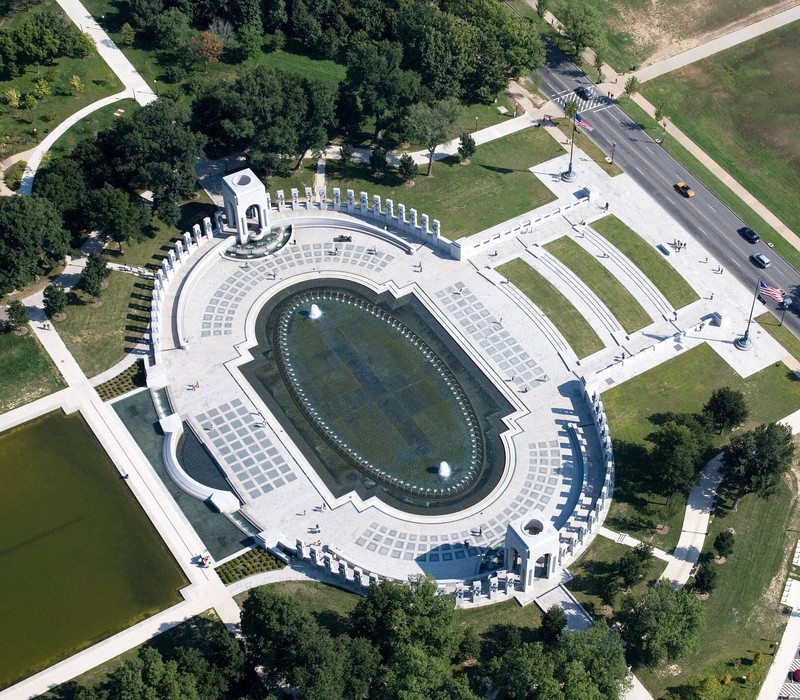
x,y
582,123
772,292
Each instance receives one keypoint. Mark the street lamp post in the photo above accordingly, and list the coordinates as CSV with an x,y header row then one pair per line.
x,y
476,123
787,302
613,146
745,342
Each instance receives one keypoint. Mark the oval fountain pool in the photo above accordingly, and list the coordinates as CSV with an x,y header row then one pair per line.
x,y
386,394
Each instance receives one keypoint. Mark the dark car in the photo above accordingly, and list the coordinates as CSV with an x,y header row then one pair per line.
x,y
749,235
584,93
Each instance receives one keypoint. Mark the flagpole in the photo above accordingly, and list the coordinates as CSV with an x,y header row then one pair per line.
x,y
745,342
570,175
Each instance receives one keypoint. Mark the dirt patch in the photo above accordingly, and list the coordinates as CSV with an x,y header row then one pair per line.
x,y
665,29
662,529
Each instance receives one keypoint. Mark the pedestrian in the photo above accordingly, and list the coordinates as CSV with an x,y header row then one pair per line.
x,y
721,270
706,260
480,531
304,512
712,296
316,528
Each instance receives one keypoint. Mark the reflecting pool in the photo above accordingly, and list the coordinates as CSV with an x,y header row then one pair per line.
x,y
79,558
379,397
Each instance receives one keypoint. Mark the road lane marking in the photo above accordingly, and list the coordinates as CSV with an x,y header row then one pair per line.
x,y
702,231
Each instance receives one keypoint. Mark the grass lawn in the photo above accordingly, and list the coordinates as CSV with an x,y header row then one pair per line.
x,y
608,288
26,373
739,106
98,338
597,568
683,384
89,126
781,333
25,127
564,316
665,277
494,187
743,614
151,251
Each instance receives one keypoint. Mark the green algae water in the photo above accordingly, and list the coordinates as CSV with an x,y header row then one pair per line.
x,y
79,559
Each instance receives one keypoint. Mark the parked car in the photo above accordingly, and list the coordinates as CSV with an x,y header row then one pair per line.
x,y
585,93
761,260
749,235
684,189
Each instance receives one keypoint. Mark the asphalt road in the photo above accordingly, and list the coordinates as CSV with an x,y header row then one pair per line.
x,y
704,216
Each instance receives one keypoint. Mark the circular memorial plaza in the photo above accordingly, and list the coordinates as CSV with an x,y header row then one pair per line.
x,y
370,399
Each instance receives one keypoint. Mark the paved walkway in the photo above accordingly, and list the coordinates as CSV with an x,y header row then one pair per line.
x,y
135,87
734,38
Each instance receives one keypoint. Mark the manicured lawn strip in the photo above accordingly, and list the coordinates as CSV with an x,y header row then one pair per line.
x,y
597,567
665,277
26,373
560,310
702,174
98,338
781,333
608,288
682,384
494,187
129,379
300,179
742,613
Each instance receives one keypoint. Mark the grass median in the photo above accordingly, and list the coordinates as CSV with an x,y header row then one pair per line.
x,y
665,277
571,324
781,333
619,301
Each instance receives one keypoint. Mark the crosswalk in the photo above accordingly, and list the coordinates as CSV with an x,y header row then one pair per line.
x,y
596,103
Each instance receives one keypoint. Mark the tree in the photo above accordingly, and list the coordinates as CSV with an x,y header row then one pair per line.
x,y
582,25
378,159
113,213
94,273
407,168
676,455
433,124
346,155
207,48
727,408
542,6
632,85
32,237
599,651
76,83
466,146
127,35
571,109
55,300
149,676
661,625
705,580
659,113
12,97
554,621
756,460
42,88
600,48
633,565
724,542
17,314
708,689
514,673
393,614
362,668
250,39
